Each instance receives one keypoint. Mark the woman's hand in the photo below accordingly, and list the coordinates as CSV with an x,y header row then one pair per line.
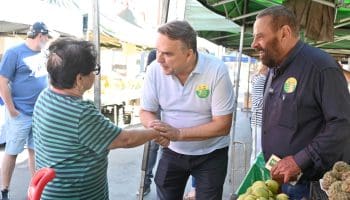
x,y
166,130
163,141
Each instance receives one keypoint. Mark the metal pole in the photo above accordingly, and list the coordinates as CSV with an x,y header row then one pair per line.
x,y
96,39
163,19
248,84
165,11
144,166
231,163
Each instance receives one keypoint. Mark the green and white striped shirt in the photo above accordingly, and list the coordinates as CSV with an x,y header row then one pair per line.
x,y
72,136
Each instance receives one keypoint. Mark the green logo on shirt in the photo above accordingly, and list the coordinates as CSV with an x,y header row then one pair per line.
x,y
290,85
202,91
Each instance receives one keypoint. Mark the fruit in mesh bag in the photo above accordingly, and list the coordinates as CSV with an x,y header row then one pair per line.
x,y
328,179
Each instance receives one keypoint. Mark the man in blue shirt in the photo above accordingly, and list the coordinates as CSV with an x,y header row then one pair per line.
x,y
23,76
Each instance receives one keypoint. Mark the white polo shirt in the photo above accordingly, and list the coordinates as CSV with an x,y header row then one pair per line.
x,y
207,92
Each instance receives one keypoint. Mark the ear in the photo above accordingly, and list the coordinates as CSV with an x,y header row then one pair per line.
x,y
286,32
78,80
190,53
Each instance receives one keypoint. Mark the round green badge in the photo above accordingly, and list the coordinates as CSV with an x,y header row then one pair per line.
x,y
202,91
290,85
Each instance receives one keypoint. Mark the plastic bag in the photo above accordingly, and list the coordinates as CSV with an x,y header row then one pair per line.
x,y
256,172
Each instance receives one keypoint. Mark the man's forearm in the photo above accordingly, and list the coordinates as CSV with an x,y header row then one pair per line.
x,y
146,117
218,126
203,132
6,96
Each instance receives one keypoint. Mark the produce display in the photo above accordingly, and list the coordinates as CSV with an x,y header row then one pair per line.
x,y
263,190
336,182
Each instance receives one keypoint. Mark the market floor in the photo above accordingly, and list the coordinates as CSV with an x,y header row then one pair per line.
x,y
124,172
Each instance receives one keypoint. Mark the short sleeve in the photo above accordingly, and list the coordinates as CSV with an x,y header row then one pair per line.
x,y
223,96
149,96
95,130
8,64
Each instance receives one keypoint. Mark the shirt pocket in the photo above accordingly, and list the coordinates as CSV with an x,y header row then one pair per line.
x,y
288,115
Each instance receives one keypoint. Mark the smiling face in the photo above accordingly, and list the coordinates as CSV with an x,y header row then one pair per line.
x,y
173,56
267,42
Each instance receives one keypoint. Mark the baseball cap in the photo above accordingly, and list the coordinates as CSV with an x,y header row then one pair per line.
x,y
39,27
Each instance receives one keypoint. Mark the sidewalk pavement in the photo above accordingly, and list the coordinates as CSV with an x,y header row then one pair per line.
x,y
124,171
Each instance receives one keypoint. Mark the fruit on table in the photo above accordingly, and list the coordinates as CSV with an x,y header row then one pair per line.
x,y
336,182
340,196
259,184
282,196
250,197
341,167
329,178
272,185
263,190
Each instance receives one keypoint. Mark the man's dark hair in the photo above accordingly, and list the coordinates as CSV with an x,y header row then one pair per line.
x,y
281,16
180,30
69,57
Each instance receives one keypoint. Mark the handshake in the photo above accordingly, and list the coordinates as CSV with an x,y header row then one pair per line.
x,y
167,132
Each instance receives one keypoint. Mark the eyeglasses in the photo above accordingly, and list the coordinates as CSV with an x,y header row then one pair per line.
x,y
97,69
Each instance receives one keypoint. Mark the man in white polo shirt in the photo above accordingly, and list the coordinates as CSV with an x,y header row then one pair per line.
x,y
194,95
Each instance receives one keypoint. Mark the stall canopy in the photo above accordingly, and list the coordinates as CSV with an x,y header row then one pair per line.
x,y
66,19
325,24
203,19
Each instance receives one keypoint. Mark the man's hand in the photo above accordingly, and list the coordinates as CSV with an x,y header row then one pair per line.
x,y
163,141
14,113
285,170
166,130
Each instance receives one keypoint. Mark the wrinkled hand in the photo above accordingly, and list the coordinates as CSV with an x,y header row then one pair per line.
x,y
163,141
285,170
166,130
150,124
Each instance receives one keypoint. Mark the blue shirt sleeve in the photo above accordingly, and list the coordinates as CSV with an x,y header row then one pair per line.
x,y
8,64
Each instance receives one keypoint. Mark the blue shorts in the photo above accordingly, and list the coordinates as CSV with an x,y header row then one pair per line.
x,y
18,133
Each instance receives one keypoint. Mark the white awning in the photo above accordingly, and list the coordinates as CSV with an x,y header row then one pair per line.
x,y
17,16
